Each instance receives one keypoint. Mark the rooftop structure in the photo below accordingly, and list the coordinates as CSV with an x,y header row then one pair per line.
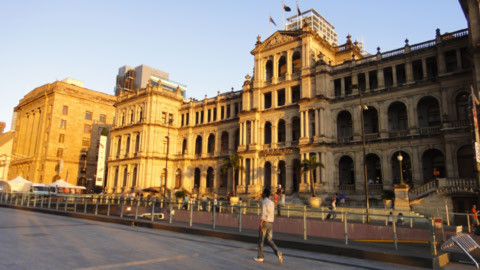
x,y
317,22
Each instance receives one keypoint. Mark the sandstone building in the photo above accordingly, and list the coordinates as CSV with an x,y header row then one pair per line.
x,y
306,98
57,129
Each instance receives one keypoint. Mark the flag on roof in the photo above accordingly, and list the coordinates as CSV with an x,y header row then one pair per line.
x,y
298,10
272,21
286,8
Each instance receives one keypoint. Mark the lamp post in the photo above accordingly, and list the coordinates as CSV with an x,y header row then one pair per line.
x,y
400,158
169,122
364,108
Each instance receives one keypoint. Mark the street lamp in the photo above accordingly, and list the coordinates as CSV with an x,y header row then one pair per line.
x,y
400,158
363,108
169,122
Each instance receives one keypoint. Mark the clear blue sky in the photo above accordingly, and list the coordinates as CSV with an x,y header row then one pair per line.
x,y
203,44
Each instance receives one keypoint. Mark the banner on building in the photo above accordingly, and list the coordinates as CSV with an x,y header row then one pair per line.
x,y
102,149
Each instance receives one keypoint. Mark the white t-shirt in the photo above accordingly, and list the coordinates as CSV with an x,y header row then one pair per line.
x,y
268,210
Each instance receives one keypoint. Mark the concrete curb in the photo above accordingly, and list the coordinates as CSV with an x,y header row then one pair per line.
x,y
311,245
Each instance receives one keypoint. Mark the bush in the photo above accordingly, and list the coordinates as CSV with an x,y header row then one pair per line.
x,y
180,194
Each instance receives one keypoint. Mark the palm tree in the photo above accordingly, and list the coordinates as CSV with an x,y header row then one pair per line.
x,y
309,166
232,162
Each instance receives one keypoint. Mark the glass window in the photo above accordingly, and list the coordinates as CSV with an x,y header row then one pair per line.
x,y
60,152
88,115
87,128
65,110
102,118
63,124
61,138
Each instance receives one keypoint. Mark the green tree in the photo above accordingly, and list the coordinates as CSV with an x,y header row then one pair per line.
x,y
232,162
309,166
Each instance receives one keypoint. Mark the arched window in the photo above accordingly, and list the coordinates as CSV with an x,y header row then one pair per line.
x,y
210,177
462,105
346,171
433,163
282,66
198,145
281,131
295,129
184,146
134,177
397,117
196,179
224,142
137,143
140,115
268,133
211,144
344,125
466,162
374,169
268,70
370,118
296,62
406,168
428,111
125,175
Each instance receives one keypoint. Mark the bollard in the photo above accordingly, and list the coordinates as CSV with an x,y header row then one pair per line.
x,y
96,206
394,226
171,213
213,213
191,215
49,201
386,217
288,211
305,222
109,202
136,207
220,207
346,227
66,203
468,222
85,205
323,213
56,208
153,208
41,202
363,216
239,216
75,204
433,240
122,206
161,203
411,220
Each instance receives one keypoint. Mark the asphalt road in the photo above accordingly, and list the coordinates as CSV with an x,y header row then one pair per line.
x,y
31,240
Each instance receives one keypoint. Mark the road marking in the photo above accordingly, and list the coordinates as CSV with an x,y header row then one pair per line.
x,y
127,264
391,241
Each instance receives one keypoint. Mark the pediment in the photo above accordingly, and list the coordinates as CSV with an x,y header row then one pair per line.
x,y
279,38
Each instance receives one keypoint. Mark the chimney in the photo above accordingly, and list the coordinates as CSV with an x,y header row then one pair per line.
x,y
2,126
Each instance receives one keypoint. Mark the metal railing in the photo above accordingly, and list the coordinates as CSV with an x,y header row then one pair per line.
x,y
243,216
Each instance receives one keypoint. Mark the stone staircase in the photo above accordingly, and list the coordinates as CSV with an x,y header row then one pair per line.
x,y
443,185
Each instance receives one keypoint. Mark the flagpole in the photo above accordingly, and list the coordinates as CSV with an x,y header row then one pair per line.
x,y
283,15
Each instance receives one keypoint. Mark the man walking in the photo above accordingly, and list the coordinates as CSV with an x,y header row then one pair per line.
x,y
266,227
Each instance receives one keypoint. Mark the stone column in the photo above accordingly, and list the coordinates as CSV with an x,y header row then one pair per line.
x,y
241,134
274,134
387,178
275,68
203,180
416,163
289,177
288,75
252,132
323,160
323,120
342,87
288,95
288,137
441,61
380,78
409,71
307,124
383,121
424,68
394,75
367,81
317,122
302,124
318,157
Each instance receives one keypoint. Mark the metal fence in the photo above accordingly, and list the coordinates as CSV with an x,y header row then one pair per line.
x,y
304,222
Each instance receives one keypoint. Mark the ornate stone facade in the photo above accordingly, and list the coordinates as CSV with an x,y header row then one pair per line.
x,y
57,131
305,99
